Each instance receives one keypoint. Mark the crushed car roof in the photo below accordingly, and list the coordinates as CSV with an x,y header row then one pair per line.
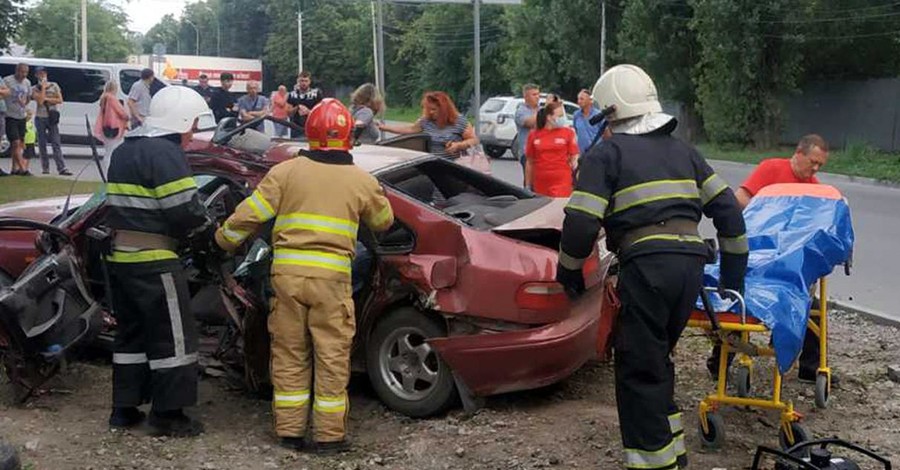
x,y
371,158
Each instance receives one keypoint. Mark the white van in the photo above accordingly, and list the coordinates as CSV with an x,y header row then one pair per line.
x,y
81,84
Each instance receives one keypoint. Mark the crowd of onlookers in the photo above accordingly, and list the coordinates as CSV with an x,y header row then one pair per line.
x,y
549,147
25,124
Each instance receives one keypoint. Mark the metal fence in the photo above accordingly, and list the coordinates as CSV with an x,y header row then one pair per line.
x,y
846,112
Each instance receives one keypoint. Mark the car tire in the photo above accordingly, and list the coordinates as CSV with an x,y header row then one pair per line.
x,y
406,372
494,151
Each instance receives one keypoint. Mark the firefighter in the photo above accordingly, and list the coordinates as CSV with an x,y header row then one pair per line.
x,y
317,201
648,190
153,202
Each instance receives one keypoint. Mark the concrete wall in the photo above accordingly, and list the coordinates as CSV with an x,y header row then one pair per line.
x,y
845,112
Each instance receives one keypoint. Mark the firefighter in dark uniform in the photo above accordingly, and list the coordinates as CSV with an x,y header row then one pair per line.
x,y
648,190
153,202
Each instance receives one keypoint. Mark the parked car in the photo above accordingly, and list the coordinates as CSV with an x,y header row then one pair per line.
x,y
460,302
498,124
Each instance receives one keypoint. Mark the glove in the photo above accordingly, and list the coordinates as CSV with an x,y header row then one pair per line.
x,y
571,280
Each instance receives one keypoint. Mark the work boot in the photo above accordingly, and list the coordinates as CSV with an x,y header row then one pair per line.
x,y
682,462
334,447
174,424
293,443
125,417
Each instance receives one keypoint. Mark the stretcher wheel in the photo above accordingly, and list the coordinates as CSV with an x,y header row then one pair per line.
x,y
800,435
822,391
716,435
743,379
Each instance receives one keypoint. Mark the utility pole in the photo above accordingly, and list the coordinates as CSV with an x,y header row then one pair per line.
x,y
602,36
477,104
299,41
375,48
75,35
196,37
84,49
380,46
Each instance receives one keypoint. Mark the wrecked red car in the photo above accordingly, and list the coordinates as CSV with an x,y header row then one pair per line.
x,y
458,298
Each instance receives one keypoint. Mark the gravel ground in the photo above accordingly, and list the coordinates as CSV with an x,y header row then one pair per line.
x,y
569,425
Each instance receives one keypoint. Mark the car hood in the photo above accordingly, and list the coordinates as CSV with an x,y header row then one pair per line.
x,y
41,210
549,216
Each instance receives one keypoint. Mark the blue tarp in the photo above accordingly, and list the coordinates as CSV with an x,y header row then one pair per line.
x,y
794,241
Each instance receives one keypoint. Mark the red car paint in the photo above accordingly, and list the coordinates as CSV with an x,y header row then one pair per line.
x,y
454,270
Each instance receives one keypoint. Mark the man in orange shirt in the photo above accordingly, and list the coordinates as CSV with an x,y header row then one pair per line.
x,y
809,157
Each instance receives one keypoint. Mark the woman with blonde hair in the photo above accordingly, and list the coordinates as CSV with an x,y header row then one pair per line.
x,y
366,102
111,123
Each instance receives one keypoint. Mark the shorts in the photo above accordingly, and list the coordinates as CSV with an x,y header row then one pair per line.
x,y
29,151
15,129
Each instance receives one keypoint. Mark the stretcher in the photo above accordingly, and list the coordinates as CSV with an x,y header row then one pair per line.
x,y
797,234
733,332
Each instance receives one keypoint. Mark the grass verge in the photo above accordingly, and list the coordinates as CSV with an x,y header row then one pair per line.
x,y
407,114
856,159
23,188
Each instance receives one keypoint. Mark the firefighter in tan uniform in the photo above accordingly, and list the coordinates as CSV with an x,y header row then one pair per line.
x,y
317,201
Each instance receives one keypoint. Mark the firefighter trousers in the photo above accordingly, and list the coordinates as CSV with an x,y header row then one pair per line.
x,y
312,325
155,355
658,292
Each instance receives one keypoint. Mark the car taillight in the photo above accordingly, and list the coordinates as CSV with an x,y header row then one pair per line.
x,y
542,296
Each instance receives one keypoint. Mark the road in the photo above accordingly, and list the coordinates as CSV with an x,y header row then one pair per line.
x,y
876,221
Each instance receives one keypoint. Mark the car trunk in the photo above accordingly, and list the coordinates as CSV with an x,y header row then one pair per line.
x,y
542,226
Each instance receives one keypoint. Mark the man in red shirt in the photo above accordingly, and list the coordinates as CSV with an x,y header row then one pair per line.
x,y
809,157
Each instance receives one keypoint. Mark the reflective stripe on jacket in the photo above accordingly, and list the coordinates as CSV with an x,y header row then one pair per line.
x,y
316,208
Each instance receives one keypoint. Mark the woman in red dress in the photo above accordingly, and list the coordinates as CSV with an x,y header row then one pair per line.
x,y
551,153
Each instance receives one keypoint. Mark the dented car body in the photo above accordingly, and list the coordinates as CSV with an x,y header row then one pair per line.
x,y
459,298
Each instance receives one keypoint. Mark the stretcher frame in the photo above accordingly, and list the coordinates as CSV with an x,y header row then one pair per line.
x,y
734,331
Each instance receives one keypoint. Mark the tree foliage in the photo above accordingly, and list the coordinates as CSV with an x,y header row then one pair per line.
x,y
746,66
49,30
10,17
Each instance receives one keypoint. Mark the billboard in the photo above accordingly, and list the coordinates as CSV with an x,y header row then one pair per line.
x,y
176,68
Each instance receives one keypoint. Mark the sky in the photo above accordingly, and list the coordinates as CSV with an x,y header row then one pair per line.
x,y
143,14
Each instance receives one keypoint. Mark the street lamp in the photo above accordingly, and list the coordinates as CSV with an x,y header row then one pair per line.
x,y
196,32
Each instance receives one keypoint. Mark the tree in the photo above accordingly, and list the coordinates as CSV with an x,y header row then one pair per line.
x,y
557,44
49,31
166,33
745,67
10,17
337,42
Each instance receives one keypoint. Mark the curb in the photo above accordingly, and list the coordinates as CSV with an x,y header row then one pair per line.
x,y
825,177
875,316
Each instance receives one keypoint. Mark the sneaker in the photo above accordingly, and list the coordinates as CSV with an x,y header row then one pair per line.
x,y
45,172
25,173
65,173
334,447
125,418
293,443
174,424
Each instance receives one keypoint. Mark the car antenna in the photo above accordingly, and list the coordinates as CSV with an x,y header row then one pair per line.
x,y
96,159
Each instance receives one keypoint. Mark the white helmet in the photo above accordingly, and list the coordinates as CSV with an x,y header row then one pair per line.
x,y
630,89
174,109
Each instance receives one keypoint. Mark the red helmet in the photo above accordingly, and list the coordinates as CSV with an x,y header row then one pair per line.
x,y
329,126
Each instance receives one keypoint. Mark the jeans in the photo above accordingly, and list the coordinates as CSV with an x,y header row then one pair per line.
x,y
45,130
281,130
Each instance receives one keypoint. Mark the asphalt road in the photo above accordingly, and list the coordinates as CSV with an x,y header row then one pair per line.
x,y
876,223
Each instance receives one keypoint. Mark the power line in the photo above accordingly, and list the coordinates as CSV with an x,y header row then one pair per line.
x,y
802,37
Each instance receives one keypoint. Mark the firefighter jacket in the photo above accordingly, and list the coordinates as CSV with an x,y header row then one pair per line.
x,y
317,201
632,182
150,189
